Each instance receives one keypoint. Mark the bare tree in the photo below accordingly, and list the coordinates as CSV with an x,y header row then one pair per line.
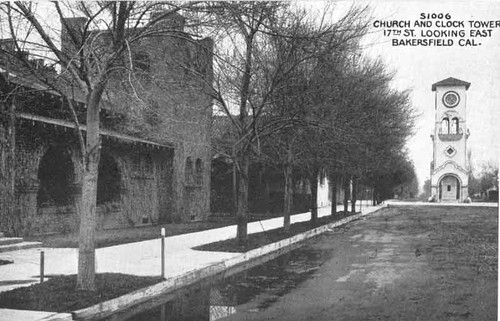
x,y
273,49
96,42
303,97
241,89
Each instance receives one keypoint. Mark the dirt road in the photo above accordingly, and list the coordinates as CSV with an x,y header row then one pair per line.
x,y
425,263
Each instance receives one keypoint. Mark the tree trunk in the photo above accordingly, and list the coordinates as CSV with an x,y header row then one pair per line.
x,y
313,179
354,195
242,192
288,197
376,196
333,188
235,184
242,202
345,185
86,252
87,210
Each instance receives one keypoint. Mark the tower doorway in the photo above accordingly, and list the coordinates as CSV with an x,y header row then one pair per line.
x,y
449,189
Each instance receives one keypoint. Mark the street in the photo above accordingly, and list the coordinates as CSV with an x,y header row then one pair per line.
x,y
406,263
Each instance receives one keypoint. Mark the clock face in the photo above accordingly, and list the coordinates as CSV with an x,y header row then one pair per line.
x,y
451,99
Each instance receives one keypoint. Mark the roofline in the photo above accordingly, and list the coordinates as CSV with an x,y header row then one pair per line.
x,y
463,83
103,132
41,87
13,77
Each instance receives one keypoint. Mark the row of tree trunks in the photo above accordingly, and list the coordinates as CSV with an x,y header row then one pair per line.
x,y
354,195
346,187
314,194
333,188
288,197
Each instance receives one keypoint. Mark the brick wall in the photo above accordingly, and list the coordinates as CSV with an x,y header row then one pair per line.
x,y
168,100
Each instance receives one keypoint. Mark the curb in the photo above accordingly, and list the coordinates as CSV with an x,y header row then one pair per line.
x,y
19,246
407,204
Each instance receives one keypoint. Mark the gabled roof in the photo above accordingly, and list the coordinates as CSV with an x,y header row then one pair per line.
x,y
451,82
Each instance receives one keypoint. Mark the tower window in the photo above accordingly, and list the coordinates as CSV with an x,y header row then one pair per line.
x,y
454,125
445,126
188,172
450,151
199,172
448,187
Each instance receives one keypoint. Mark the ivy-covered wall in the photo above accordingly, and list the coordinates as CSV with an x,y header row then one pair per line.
x,y
134,186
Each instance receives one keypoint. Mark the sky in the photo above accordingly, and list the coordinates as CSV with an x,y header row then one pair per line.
x,y
418,67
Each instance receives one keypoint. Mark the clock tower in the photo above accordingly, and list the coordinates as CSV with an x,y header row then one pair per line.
x,y
449,168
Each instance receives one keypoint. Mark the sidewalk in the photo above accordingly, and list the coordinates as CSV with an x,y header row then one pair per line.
x,y
139,258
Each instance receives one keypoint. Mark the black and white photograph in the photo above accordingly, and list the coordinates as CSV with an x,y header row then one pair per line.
x,y
249,160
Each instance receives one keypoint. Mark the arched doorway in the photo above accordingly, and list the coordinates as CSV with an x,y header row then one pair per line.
x,y
55,174
449,188
109,180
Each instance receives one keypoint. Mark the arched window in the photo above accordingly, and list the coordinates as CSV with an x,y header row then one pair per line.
x,y
55,174
445,126
108,181
148,164
454,126
199,172
188,171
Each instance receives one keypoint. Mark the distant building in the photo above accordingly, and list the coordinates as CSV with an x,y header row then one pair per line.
x,y
449,168
156,155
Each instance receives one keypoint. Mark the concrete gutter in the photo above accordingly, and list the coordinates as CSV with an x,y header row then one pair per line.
x,y
166,290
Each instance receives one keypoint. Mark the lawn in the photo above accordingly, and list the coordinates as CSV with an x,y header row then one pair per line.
x,y
58,294
257,240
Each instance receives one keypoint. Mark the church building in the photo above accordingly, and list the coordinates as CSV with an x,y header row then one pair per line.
x,y
155,161
449,168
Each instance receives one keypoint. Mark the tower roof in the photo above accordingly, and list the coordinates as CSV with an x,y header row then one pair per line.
x,y
451,82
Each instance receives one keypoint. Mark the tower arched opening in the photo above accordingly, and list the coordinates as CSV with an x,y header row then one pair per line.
x,y
449,188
